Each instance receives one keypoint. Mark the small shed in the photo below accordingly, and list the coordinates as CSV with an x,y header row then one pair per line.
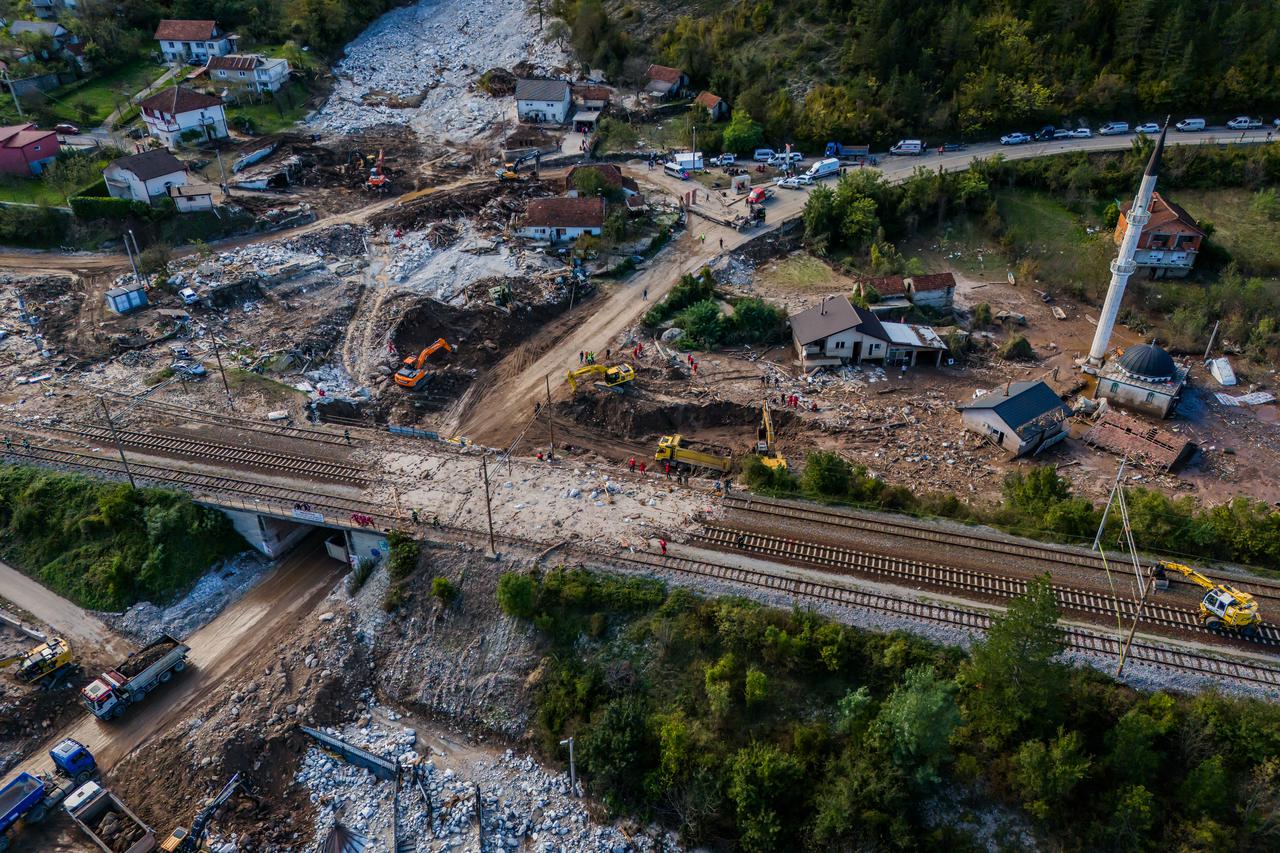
x,y
715,105
193,197
1022,417
127,298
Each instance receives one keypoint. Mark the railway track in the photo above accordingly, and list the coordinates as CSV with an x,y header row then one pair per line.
x,y
215,451
1078,640
182,415
787,511
951,579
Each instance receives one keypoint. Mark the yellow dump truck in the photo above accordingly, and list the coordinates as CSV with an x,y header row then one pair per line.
x,y
680,451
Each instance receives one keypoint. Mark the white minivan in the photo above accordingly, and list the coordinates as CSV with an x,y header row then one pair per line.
x,y
822,168
1114,128
763,155
675,170
1190,124
914,147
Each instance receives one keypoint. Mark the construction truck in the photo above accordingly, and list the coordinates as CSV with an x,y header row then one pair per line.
x,y
111,693
511,171
765,447
411,373
615,378
677,450
48,663
182,841
29,797
108,822
1223,608
377,181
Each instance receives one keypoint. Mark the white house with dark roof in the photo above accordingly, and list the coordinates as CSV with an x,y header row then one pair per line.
x,y
836,332
543,100
192,41
251,71
146,176
1022,417
172,112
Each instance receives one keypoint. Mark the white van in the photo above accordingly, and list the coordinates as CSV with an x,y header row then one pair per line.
x,y
763,155
823,168
911,147
675,170
1190,124
1114,128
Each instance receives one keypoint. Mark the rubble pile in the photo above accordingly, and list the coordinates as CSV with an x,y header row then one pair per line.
x,y
419,65
523,805
339,249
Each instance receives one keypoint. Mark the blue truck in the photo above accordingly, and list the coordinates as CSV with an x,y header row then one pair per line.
x,y
29,797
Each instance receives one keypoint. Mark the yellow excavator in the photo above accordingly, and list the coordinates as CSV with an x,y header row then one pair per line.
x,y
411,373
43,662
674,448
765,447
1223,608
613,379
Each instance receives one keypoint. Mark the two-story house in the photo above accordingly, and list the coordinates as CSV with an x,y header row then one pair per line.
x,y
251,71
836,332
1169,242
543,100
144,177
192,41
170,113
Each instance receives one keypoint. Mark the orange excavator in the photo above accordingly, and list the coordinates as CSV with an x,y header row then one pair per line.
x,y
411,373
377,178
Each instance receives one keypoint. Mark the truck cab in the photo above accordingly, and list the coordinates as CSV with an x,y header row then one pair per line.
x,y
99,696
73,760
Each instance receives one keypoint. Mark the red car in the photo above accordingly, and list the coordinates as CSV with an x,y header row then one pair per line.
x,y
756,196
65,129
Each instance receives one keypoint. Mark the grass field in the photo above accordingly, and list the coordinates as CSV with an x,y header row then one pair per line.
x,y
88,102
1248,234
283,111
29,191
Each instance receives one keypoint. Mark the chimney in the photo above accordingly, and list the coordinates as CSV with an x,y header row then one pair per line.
x,y
823,310
1007,386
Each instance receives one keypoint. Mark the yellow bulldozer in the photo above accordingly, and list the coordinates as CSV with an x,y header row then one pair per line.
x,y
45,663
1223,608
615,378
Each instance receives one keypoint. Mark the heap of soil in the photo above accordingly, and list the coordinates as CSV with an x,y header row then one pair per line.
x,y
498,82
631,417
143,659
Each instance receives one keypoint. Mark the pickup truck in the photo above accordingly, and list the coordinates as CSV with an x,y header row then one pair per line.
x,y
108,822
29,797
108,695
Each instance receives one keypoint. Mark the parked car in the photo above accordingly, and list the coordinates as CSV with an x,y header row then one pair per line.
x,y
1190,124
1014,139
1244,123
1064,133
66,129
1043,133
909,147
194,369
724,160
792,183
1149,128
763,155
1082,133
1113,128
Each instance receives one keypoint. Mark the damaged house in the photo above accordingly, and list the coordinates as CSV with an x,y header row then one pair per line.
x,y
1022,417
561,219
836,332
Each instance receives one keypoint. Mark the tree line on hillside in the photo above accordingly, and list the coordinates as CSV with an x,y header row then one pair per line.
x,y
873,70
769,730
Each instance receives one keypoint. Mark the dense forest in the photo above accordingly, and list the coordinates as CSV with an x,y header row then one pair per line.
x,y
867,70
767,730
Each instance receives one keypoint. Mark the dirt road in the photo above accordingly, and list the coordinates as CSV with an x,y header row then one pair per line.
x,y
235,640
84,630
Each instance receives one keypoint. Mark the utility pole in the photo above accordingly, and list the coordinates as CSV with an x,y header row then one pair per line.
x,y
217,353
573,770
1213,336
116,438
17,105
551,422
1097,539
132,262
488,507
226,188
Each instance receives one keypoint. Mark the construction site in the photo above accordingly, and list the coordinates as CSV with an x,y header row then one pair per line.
x,y
403,356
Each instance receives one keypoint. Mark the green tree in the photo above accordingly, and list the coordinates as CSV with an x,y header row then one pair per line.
x,y
443,589
1033,493
742,135
826,474
756,687
702,323
917,721
517,595
1011,678
762,782
617,750
1131,819
1047,774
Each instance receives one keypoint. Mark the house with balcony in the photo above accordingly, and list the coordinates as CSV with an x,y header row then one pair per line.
x,y
1169,242
171,113
144,177
248,71
192,41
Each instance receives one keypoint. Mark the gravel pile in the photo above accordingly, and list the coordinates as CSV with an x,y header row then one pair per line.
x,y
525,807
418,66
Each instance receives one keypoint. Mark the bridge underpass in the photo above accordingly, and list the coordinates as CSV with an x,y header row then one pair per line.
x,y
273,529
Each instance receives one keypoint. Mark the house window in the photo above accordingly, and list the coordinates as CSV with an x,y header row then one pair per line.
x,y
840,344
170,44
35,147
242,74
1115,386
1151,396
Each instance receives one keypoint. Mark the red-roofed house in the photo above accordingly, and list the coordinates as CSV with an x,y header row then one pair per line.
x,y
937,290
171,112
25,150
664,81
715,105
1169,241
560,219
251,71
192,41
610,173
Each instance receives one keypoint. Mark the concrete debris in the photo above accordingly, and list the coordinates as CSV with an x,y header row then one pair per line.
x,y
418,66
1256,398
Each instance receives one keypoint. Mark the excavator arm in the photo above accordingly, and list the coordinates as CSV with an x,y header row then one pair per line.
x,y
1223,606
1196,578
